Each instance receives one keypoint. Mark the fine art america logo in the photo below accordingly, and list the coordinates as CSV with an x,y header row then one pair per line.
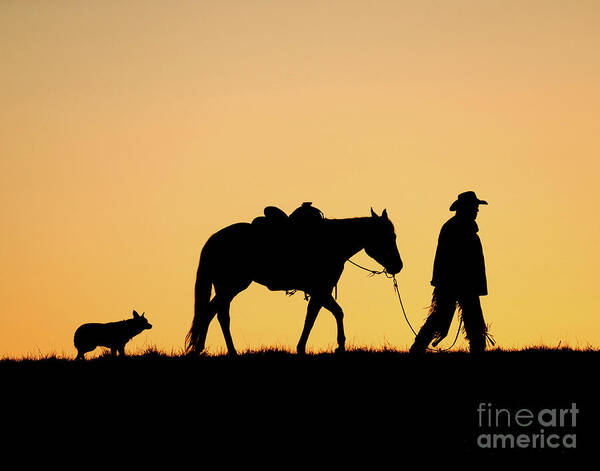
x,y
502,428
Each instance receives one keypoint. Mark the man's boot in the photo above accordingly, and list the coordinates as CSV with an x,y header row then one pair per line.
x,y
477,345
422,341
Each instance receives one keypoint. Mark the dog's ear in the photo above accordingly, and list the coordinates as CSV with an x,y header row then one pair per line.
x,y
143,314
135,314
384,214
373,214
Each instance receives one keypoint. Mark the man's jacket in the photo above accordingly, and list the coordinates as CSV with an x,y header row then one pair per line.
x,y
459,266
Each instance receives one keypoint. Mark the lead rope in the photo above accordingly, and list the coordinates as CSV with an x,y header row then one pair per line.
x,y
413,330
397,290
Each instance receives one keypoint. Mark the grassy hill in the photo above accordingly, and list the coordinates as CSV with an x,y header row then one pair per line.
x,y
375,404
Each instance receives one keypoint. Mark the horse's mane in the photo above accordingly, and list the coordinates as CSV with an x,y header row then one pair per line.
x,y
342,221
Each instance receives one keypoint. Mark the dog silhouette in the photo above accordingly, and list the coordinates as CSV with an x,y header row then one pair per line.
x,y
113,335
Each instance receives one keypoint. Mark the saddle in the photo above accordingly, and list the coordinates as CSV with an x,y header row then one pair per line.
x,y
292,235
288,242
304,215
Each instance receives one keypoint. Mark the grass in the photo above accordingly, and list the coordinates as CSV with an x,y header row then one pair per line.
x,y
152,351
266,354
379,401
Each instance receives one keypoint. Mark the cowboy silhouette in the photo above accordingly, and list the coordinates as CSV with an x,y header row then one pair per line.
x,y
458,278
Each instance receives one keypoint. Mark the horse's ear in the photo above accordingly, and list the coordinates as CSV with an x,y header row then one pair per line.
x,y
135,314
373,214
384,214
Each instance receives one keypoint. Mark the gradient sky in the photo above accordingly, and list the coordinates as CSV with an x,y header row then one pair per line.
x,y
132,131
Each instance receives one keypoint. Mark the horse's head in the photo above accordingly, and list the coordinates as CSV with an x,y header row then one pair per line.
x,y
381,243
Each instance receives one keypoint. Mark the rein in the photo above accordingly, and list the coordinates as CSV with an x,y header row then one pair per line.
x,y
397,290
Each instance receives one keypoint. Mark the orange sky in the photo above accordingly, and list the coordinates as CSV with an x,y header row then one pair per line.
x,y
130,133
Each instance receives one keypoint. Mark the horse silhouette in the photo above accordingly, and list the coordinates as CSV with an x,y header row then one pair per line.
x,y
288,254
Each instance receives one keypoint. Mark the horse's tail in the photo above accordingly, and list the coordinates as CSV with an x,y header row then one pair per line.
x,y
194,340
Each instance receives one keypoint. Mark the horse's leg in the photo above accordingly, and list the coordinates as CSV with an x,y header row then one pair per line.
x,y
226,296
202,326
314,306
331,305
223,317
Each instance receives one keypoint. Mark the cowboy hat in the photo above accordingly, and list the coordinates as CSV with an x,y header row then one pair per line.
x,y
468,198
